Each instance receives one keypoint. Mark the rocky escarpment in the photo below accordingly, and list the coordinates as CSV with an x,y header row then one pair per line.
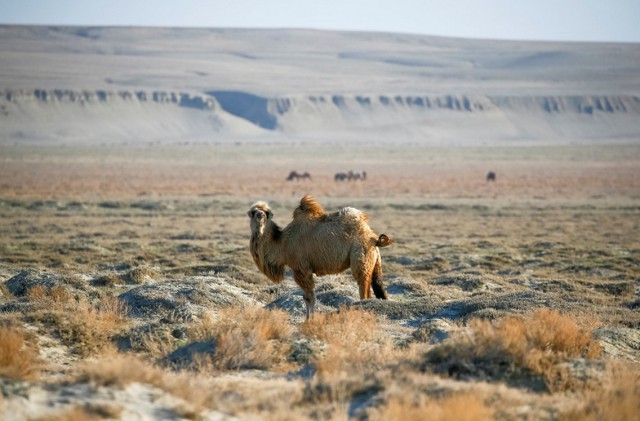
x,y
88,97
132,115
271,113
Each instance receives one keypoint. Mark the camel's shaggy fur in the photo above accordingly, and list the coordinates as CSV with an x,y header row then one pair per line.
x,y
320,243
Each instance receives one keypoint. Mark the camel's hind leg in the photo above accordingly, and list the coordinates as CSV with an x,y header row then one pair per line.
x,y
376,279
305,281
361,268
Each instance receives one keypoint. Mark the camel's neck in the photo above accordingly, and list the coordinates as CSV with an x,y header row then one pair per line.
x,y
268,252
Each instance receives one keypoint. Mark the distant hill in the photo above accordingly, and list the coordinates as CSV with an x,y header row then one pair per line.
x,y
119,85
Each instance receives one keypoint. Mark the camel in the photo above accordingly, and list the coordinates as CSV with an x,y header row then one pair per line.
x,y
318,243
351,175
297,176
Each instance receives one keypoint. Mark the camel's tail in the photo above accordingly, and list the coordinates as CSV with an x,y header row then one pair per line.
x,y
384,241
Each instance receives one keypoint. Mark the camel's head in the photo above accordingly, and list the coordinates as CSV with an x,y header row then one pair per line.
x,y
259,214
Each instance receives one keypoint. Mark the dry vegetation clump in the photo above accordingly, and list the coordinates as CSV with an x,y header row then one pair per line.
x,y
108,280
18,359
513,347
616,398
87,328
141,275
251,337
354,361
353,341
460,407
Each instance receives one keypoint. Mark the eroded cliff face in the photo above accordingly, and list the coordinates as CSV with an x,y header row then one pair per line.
x,y
150,115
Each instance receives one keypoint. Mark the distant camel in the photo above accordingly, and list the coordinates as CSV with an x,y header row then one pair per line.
x,y
491,176
297,176
318,243
341,176
351,175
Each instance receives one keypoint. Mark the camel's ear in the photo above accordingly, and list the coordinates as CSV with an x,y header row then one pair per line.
x,y
269,214
250,213
384,241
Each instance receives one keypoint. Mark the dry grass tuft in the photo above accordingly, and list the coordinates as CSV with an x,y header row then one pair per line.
x,y
55,298
616,398
536,344
251,337
456,407
108,280
353,341
141,275
85,327
18,360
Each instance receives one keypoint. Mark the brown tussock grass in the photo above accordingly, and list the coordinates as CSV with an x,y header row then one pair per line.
x,y
86,327
460,407
537,343
251,337
18,359
353,341
616,398
55,298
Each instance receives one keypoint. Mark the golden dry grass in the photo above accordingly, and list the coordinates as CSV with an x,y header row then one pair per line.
x,y
538,343
251,337
88,328
353,342
460,407
18,358
617,398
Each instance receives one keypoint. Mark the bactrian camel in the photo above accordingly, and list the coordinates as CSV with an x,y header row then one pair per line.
x,y
320,243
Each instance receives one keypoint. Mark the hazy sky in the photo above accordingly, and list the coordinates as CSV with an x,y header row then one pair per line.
x,y
574,20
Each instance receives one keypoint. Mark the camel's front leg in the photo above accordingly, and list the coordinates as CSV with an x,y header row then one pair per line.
x,y
305,280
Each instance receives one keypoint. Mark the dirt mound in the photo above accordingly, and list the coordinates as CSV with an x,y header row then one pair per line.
x,y
186,298
20,284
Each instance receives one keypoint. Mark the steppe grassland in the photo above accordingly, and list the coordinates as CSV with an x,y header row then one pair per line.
x,y
563,222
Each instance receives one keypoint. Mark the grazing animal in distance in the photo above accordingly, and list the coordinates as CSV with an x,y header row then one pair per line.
x,y
351,175
491,176
340,176
318,243
297,176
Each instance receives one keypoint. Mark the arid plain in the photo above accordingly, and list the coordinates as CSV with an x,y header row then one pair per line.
x,y
127,290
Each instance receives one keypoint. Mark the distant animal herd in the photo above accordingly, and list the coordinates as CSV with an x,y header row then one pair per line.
x,y
356,176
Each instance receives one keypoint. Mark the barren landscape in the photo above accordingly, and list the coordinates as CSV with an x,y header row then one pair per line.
x,y
127,290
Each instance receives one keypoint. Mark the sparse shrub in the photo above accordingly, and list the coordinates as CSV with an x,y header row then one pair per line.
x,y
85,327
141,275
251,337
18,360
108,280
353,341
55,298
460,407
505,347
617,397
